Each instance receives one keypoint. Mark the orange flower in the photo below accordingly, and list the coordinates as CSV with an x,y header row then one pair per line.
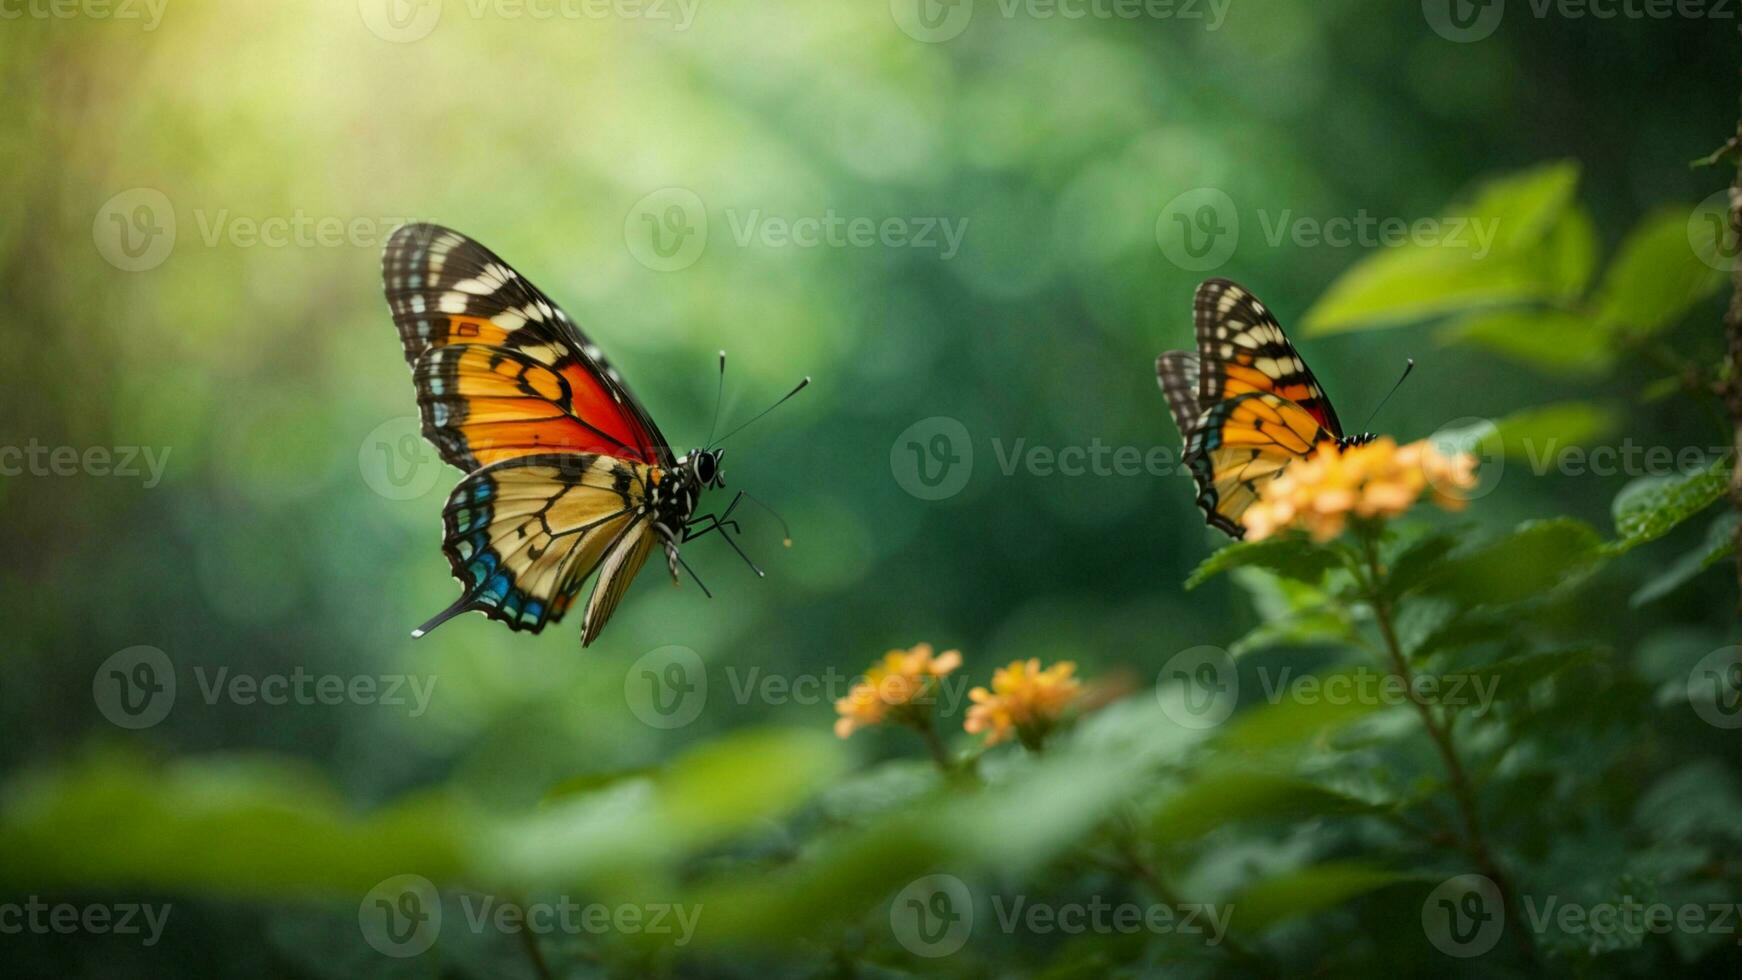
x,y
1024,700
897,688
1379,480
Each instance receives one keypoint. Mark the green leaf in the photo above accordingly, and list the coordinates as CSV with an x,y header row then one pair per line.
x,y
230,824
1528,204
1550,340
1513,677
1655,278
1652,506
1309,890
1719,543
1294,613
1225,797
1417,562
1570,252
1289,722
1465,631
1535,432
704,797
1534,559
1497,260
1289,556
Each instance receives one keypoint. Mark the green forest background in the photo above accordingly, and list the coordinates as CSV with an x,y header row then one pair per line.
x,y
197,194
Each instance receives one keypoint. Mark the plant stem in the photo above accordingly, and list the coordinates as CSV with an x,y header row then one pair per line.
x,y
1440,733
935,745
529,942
1730,379
1132,863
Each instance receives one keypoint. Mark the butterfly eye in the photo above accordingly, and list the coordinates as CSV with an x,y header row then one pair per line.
x,y
705,470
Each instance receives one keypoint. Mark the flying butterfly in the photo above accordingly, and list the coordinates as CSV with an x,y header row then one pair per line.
x,y
567,476
1246,403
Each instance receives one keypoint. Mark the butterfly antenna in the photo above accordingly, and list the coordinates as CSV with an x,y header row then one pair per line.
x,y
1406,370
719,394
783,400
785,532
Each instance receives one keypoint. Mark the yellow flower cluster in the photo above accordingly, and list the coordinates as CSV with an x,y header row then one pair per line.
x,y
896,685
1025,700
1318,494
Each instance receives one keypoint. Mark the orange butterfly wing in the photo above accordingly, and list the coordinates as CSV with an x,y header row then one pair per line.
x,y
501,371
1246,403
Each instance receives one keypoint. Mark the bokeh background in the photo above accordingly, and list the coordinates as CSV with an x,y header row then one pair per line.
x,y
195,201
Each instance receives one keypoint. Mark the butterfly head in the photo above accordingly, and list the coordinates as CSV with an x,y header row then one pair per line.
x,y
704,466
1358,439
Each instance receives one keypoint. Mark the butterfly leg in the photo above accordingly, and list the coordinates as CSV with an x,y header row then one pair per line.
x,y
693,575
719,522
716,524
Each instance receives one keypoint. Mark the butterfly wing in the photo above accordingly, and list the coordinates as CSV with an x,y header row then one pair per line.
x,y
1177,371
522,535
1243,349
501,371
1240,444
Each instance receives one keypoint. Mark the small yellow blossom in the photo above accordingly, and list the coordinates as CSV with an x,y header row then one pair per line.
x,y
1025,700
896,688
1379,480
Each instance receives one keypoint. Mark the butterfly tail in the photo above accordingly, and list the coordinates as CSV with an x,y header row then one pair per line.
x,y
462,604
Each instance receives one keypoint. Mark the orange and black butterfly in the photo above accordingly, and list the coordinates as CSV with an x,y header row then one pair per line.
x,y
567,475
1246,404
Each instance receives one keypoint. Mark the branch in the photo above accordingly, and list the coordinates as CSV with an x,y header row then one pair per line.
x,y
1730,378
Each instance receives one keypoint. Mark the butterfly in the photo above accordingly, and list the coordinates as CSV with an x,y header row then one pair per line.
x,y
1246,403
567,476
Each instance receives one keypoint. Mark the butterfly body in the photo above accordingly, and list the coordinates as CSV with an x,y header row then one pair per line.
x,y
1245,402
567,476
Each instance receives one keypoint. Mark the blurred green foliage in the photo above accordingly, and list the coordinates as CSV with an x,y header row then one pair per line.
x,y
294,531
